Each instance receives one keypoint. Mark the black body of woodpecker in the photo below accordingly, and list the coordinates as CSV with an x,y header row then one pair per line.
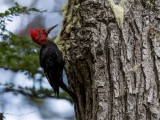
x,y
51,60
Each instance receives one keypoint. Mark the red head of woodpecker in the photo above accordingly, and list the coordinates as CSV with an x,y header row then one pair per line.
x,y
39,35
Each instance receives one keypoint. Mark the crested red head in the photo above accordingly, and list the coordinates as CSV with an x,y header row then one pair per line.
x,y
39,35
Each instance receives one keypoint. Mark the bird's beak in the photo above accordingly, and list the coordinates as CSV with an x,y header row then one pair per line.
x,y
51,28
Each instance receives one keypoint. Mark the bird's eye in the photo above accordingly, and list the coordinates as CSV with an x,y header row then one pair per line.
x,y
40,32
45,31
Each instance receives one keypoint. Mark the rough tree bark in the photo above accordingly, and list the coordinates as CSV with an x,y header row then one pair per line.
x,y
112,55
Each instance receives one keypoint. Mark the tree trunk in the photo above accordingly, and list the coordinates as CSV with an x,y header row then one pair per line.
x,y
112,54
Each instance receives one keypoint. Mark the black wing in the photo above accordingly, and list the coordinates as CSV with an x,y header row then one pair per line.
x,y
51,61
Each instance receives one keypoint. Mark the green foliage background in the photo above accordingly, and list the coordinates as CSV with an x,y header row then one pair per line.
x,y
19,53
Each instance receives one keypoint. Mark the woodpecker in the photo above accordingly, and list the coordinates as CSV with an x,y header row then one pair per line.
x,y
51,60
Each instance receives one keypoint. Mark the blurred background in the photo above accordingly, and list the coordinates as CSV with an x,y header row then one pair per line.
x,y
24,91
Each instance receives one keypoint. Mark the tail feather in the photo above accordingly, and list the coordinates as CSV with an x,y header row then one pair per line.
x,y
65,88
56,80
